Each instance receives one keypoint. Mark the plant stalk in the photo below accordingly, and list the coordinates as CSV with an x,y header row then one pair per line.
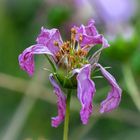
x,y
66,122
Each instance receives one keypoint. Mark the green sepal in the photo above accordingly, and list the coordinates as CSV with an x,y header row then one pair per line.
x,y
66,81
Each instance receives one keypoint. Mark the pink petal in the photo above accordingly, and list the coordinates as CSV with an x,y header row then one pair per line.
x,y
48,37
61,103
90,35
26,59
86,90
114,96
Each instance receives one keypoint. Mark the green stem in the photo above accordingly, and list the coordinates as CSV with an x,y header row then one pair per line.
x,y
131,84
66,123
51,63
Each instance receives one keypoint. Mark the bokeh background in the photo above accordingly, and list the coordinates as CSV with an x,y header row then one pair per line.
x,y
28,103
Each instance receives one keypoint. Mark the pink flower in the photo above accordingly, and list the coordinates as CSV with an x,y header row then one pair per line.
x,y
71,56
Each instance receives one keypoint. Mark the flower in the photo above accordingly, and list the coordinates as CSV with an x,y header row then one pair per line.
x,y
72,57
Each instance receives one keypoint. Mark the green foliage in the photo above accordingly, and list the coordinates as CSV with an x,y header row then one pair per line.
x,y
57,15
135,61
122,49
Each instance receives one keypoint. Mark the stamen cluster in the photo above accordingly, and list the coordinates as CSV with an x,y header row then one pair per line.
x,y
70,54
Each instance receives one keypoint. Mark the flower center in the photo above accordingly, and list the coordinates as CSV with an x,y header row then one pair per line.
x,y
70,54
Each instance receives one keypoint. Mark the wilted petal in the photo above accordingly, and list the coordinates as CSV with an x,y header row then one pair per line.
x,y
90,35
26,59
86,90
48,37
114,96
61,103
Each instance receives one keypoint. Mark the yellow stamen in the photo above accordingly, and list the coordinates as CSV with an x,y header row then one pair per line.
x,y
81,38
73,31
73,35
85,47
56,43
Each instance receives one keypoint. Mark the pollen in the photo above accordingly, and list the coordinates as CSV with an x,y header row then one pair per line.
x,y
80,38
73,31
56,43
76,56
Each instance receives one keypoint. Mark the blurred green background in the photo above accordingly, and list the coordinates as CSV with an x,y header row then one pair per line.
x,y
28,103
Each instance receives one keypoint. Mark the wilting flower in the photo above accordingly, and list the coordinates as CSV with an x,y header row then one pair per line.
x,y
72,57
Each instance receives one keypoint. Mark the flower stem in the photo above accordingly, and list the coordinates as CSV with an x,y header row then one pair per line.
x,y
66,123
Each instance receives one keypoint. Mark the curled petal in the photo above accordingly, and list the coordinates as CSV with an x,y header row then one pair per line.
x,y
61,103
90,35
92,40
26,59
114,96
86,90
48,38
